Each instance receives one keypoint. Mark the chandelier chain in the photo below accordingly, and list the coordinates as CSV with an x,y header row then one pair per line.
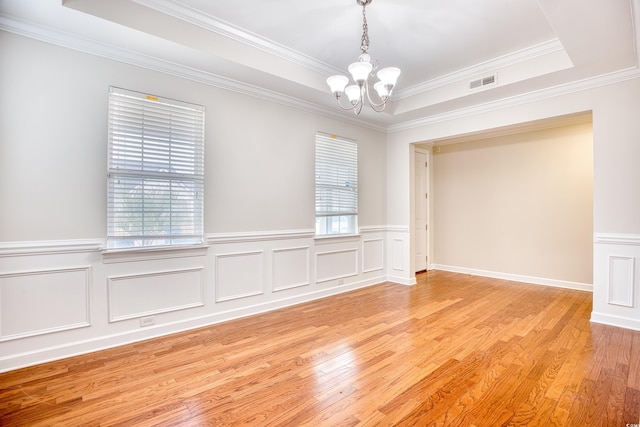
x,y
365,31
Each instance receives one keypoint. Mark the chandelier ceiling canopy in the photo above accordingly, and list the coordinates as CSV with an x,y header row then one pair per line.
x,y
360,71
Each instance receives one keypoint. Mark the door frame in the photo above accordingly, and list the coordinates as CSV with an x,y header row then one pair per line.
x,y
427,149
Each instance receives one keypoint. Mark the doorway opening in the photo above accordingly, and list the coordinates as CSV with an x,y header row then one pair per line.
x,y
514,202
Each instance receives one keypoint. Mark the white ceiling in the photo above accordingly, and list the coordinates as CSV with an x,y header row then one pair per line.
x,y
459,33
285,49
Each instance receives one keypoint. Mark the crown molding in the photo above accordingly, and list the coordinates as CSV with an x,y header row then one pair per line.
x,y
539,95
116,53
211,23
482,68
120,54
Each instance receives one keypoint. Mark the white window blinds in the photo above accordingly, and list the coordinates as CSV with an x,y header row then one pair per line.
x,y
155,171
336,185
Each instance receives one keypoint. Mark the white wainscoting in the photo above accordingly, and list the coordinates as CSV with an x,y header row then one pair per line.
x,y
336,264
139,295
290,268
398,250
372,255
31,303
621,280
616,282
239,275
398,255
62,298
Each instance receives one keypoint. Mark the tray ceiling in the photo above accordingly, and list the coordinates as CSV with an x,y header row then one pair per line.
x,y
286,49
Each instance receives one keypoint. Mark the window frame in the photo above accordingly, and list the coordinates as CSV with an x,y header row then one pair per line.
x,y
155,172
336,186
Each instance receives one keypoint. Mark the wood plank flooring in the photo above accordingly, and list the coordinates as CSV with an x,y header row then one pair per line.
x,y
454,350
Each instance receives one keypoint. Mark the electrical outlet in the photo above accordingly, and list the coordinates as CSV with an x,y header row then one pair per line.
x,y
147,321
340,281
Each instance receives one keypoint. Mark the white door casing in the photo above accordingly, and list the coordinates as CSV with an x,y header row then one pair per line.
x,y
421,210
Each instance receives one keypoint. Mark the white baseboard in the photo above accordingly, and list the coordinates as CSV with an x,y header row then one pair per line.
x,y
402,280
610,320
517,278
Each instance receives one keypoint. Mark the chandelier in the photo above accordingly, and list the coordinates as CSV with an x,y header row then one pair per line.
x,y
360,71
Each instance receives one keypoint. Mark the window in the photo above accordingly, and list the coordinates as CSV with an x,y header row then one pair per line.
x,y
336,185
155,171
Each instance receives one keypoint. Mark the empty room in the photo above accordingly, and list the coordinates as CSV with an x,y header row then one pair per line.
x,y
348,212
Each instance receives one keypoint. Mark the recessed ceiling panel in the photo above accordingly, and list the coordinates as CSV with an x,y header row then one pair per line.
x,y
426,39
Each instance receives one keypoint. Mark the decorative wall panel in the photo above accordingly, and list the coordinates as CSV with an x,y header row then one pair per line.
x,y
398,254
616,285
140,295
239,275
44,301
290,268
336,264
621,280
372,255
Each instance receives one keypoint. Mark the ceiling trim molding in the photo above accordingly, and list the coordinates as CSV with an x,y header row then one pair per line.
x,y
547,93
219,26
93,47
493,65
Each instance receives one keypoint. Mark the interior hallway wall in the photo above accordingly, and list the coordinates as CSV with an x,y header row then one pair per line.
x,y
518,204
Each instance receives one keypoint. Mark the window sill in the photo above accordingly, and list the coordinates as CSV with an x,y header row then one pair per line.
x,y
152,252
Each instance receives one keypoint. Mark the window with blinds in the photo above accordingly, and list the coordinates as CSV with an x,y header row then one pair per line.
x,y
155,171
336,185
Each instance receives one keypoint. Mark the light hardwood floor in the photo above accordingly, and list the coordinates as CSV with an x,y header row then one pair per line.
x,y
453,350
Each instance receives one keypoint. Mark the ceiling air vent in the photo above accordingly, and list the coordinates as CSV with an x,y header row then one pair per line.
x,y
484,81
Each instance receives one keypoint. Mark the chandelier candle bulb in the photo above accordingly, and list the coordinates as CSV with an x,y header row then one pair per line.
x,y
389,76
353,93
381,89
360,71
337,84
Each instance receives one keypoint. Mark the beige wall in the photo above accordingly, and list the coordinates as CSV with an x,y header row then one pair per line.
x,y
259,155
519,204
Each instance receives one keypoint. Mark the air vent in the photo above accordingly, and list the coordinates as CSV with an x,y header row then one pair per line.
x,y
481,82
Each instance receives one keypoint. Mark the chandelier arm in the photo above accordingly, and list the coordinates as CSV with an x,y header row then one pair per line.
x,y
352,107
378,109
360,102
358,108
372,103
